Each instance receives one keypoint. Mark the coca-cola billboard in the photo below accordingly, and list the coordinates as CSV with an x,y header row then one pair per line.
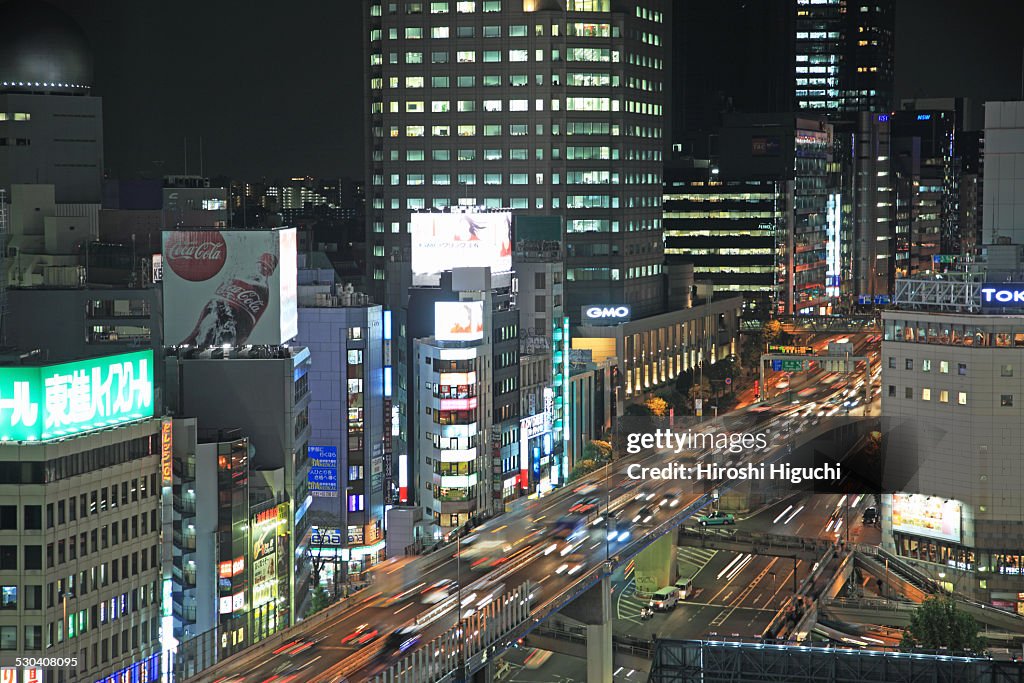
x,y
229,287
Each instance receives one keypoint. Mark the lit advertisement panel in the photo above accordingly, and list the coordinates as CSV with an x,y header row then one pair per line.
x,y
229,287
442,241
458,320
55,401
930,516
323,473
289,283
264,560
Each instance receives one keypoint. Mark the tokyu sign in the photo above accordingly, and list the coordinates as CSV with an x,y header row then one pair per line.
x,y
606,315
1002,294
55,401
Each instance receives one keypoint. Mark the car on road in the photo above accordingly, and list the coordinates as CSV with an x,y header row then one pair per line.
x,y
717,518
585,505
363,634
572,564
645,493
438,591
670,500
644,516
664,599
870,516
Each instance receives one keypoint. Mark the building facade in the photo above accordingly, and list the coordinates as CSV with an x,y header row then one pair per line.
x,y
1002,217
80,572
455,444
653,351
844,61
264,392
951,399
731,230
349,414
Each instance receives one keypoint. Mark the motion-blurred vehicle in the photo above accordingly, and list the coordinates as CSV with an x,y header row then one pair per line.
x,y
363,634
870,516
585,506
716,518
669,500
645,493
644,516
437,592
572,565
401,596
398,642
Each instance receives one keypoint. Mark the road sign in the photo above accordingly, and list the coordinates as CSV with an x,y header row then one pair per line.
x,y
776,365
728,380
793,365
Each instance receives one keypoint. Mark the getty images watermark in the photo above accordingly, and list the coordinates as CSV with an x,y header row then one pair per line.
x,y
732,443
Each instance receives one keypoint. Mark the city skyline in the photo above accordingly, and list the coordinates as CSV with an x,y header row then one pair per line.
x,y
314,125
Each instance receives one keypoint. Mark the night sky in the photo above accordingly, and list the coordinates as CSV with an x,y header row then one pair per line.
x,y
276,89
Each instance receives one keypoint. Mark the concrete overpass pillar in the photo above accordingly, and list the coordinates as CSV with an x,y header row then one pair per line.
x,y
599,638
655,566
594,610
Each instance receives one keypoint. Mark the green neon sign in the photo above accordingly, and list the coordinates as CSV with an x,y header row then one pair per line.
x,y
55,401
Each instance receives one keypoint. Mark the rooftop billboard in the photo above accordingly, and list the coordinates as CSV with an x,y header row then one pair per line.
x,y
229,287
443,241
56,401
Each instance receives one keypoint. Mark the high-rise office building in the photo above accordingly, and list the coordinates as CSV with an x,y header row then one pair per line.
x,y
533,105
796,149
874,208
924,176
732,231
843,56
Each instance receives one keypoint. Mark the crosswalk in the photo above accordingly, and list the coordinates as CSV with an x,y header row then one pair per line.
x,y
691,560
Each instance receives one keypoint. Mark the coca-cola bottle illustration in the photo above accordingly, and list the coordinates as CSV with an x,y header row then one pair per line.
x,y
235,309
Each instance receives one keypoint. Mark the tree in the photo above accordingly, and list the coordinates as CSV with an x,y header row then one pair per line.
x,y
684,380
657,405
751,348
583,468
939,624
771,331
597,450
321,599
637,410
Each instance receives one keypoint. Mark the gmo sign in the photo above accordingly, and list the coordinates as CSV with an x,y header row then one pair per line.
x,y
1002,294
606,315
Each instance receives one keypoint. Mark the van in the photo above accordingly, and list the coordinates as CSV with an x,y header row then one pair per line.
x,y
665,599
684,588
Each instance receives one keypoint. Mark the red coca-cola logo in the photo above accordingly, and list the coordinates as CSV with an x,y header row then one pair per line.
x,y
195,256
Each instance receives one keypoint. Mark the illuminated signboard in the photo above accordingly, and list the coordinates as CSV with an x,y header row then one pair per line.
x,y
323,473
606,315
458,320
833,247
931,516
264,559
442,241
55,401
230,287
166,452
1002,294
